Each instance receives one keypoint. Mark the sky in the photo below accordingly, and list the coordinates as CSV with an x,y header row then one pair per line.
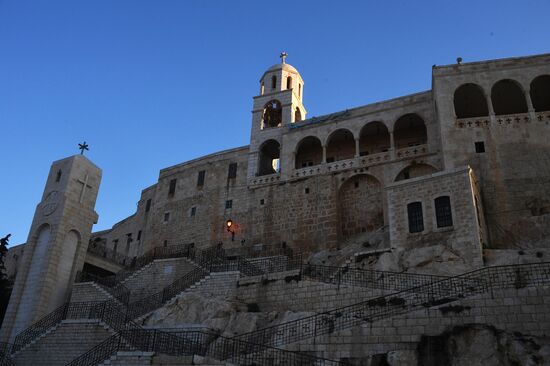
x,y
150,84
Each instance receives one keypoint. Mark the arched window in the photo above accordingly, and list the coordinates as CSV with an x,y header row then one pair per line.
x,y
508,98
415,218
289,82
309,152
272,115
470,101
374,138
297,115
540,93
443,214
262,88
273,82
340,145
58,175
409,130
299,90
269,158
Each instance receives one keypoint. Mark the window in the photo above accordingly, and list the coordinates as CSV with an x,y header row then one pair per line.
x,y
139,235
172,188
129,238
262,202
262,89
299,90
200,180
289,82
58,176
165,243
273,82
416,221
148,205
306,190
115,245
166,216
228,204
193,211
232,172
480,147
443,213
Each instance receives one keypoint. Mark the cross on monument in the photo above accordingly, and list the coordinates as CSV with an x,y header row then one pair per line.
x,y
84,186
83,146
283,57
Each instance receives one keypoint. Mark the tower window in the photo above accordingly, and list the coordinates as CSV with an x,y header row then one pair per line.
x,y
193,211
166,216
289,82
306,191
262,88
58,176
200,180
228,204
115,245
416,221
139,235
148,205
443,213
299,90
273,82
480,147
272,114
232,172
262,202
172,188
297,115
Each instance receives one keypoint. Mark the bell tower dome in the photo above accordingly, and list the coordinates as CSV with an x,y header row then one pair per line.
x,y
278,104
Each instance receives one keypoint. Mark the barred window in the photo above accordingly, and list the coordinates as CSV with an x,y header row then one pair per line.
x,y
232,173
416,221
443,213
200,180
228,204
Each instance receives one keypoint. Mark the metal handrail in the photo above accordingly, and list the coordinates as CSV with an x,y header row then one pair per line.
x,y
422,296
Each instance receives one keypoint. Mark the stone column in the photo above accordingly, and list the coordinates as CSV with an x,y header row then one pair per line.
x,y
357,148
324,154
392,149
530,108
491,111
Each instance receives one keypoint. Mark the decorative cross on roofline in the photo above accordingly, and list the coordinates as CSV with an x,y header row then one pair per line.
x,y
283,57
83,146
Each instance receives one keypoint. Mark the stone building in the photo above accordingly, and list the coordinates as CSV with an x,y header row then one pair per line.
x,y
465,165
341,235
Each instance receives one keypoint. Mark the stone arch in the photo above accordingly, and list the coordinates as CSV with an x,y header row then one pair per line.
x,y
415,170
409,130
270,153
374,138
35,275
540,93
65,268
289,82
470,101
360,206
340,145
309,152
297,115
508,97
272,114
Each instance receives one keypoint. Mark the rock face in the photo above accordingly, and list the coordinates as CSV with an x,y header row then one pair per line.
x,y
481,345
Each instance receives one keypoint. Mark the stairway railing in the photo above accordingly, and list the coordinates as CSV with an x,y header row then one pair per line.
x,y
423,296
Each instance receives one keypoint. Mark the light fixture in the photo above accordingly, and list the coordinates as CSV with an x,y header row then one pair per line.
x,y
229,226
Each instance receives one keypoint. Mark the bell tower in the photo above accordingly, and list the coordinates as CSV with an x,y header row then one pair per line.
x,y
278,105
56,245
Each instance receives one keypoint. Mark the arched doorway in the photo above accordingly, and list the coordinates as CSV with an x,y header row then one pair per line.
x,y
360,206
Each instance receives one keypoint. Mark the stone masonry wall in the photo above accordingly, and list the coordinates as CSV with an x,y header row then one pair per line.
x,y
524,310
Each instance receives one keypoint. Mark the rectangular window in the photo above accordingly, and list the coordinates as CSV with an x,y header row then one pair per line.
x,y
480,147
416,221
148,205
166,216
228,204
262,202
232,172
200,180
443,214
115,245
193,211
139,235
129,238
172,189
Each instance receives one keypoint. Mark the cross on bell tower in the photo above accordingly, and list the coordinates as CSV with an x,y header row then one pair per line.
x,y
283,57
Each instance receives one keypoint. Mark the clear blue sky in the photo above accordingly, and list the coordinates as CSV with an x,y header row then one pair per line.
x,y
149,84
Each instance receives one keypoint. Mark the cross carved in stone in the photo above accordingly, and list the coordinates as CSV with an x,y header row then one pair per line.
x,y
84,186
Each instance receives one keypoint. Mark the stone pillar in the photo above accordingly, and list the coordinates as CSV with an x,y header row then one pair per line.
x,y
357,148
324,154
530,108
57,243
491,110
393,154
